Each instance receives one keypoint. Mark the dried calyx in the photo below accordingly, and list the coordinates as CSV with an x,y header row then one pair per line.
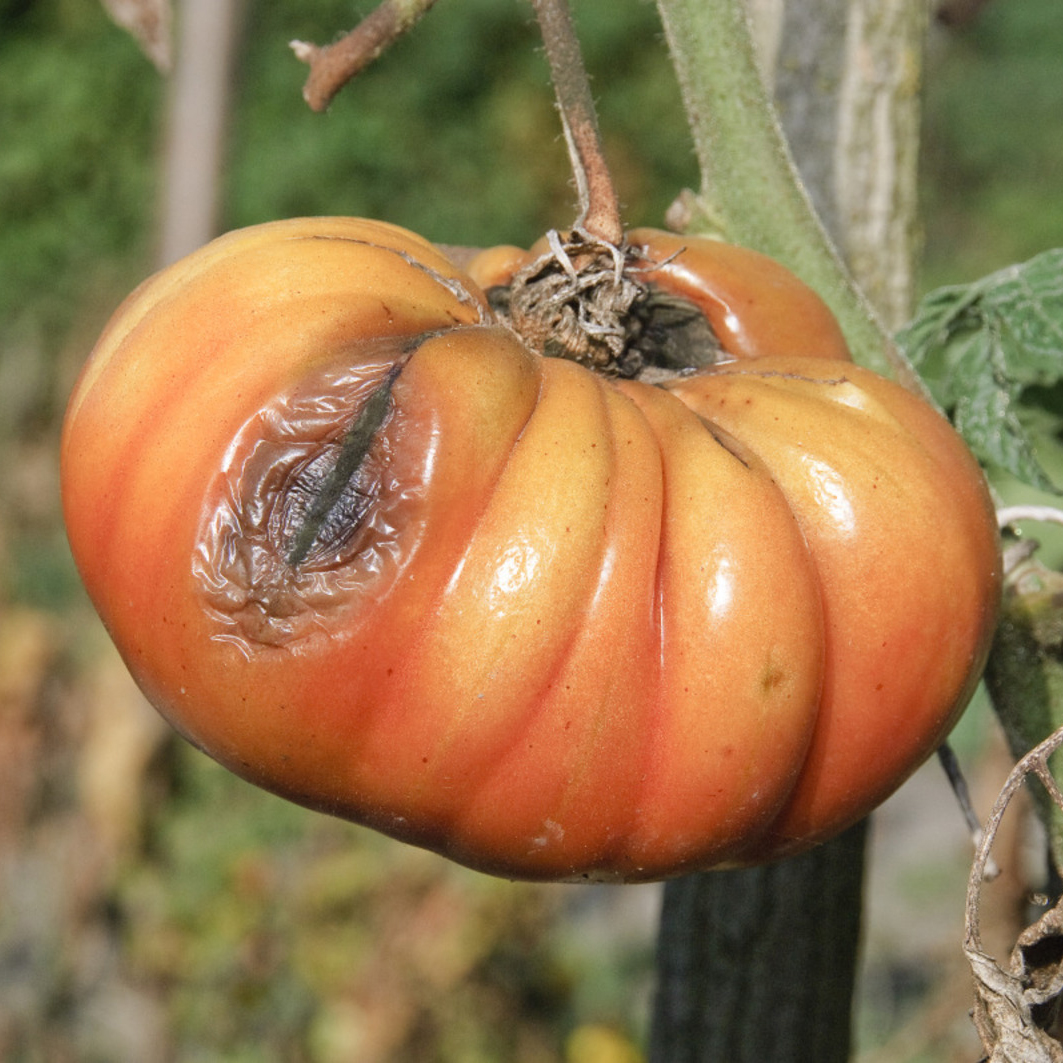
x,y
586,298
591,301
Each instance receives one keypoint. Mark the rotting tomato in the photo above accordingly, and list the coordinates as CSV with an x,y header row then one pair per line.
x,y
363,547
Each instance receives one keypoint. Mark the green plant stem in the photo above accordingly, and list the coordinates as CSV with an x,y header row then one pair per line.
x,y
757,965
751,193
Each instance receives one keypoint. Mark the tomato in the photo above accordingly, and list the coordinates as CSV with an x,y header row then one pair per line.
x,y
361,545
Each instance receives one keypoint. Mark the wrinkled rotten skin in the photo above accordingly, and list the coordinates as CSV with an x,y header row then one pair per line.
x,y
551,625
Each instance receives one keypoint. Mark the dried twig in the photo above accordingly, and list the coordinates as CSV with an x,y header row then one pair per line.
x,y
333,65
1016,1009
1044,514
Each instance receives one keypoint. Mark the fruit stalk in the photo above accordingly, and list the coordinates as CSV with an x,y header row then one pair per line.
x,y
599,208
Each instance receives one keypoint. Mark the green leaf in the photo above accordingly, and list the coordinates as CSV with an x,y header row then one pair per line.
x,y
981,346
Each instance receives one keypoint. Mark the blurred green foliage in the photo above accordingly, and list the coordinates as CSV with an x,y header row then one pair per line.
x,y
79,111
280,935
993,141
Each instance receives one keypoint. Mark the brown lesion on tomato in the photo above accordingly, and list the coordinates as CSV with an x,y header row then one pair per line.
x,y
296,524
772,678
328,505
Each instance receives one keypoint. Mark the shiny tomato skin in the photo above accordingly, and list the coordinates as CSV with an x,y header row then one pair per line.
x,y
754,305
573,628
907,605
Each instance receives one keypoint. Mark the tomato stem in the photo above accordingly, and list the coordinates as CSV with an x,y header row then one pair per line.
x,y
598,204
333,65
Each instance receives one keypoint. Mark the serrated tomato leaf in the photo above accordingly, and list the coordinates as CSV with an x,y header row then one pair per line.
x,y
980,346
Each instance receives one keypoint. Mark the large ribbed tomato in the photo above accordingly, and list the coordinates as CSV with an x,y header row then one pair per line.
x,y
753,305
362,546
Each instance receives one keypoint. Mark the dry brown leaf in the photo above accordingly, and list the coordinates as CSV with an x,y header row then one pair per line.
x,y
123,733
150,22
1017,1008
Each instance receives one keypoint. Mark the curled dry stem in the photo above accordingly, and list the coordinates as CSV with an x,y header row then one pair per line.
x,y
1017,1008
333,65
1013,514
575,301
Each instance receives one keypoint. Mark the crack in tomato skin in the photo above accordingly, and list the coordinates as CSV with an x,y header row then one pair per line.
x,y
329,501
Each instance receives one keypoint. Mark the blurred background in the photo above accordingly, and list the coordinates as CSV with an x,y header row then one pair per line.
x,y
152,907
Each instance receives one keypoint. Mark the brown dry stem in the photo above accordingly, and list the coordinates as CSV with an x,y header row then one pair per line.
x,y
1017,1007
575,301
598,205
151,24
333,65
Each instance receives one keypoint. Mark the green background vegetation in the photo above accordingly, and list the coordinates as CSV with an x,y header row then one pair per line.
x,y
228,925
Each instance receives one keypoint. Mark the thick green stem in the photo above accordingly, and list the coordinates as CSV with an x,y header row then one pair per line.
x,y
757,966
750,188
